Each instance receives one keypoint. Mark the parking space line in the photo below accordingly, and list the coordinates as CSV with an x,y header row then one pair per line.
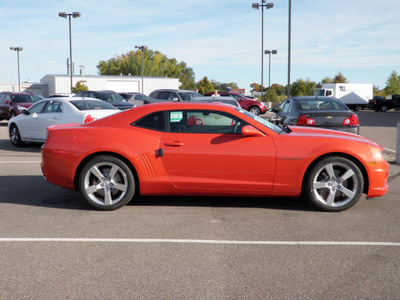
x,y
193,241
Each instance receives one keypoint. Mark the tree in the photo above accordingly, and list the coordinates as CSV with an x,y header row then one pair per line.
x,y
255,87
276,93
205,86
79,86
393,84
223,87
154,64
302,88
339,78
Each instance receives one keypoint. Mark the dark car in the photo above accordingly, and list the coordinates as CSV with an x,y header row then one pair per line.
x,y
253,106
133,96
11,104
163,95
109,96
326,112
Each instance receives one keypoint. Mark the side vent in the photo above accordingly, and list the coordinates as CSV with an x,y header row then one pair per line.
x,y
147,165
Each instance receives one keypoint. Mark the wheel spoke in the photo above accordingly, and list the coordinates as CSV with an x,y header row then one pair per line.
x,y
113,171
107,197
329,169
350,194
121,187
93,188
320,185
330,199
347,175
96,172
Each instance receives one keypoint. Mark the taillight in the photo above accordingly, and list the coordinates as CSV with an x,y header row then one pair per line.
x,y
305,121
89,118
353,120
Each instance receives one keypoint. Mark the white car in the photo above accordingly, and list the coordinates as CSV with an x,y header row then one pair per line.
x,y
31,125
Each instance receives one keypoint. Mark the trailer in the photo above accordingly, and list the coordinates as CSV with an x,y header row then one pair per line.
x,y
354,95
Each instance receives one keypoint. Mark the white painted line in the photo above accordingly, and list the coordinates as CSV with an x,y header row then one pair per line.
x,y
190,241
19,161
390,150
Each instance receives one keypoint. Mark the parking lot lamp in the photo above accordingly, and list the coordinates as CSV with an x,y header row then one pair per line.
x,y
267,6
74,15
141,48
18,49
269,52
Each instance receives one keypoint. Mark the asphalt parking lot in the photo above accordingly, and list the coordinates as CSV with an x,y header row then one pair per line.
x,y
54,246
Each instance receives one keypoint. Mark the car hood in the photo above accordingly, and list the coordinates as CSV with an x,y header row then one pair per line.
x,y
122,104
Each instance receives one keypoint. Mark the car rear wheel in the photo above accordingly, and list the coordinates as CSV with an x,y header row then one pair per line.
x,y
15,136
107,183
383,108
334,184
254,110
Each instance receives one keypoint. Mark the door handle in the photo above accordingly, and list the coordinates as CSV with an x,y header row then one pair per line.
x,y
174,144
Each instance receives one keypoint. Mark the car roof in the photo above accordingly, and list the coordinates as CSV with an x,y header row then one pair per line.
x,y
173,90
313,98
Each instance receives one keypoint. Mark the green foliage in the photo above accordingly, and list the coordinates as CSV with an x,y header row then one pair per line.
x,y
302,88
277,93
79,86
223,87
393,84
205,86
154,64
339,78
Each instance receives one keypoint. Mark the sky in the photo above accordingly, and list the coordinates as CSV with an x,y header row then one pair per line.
x,y
219,39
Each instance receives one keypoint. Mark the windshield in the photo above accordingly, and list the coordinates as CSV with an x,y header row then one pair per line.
x,y
260,120
91,104
27,98
189,96
110,97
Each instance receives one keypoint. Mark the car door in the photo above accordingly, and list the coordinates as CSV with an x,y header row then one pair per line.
x,y
205,151
3,111
28,124
51,115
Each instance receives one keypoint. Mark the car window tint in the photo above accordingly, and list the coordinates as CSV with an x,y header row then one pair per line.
x,y
37,108
91,104
204,122
53,107
153,121
288,106
163,95
2,97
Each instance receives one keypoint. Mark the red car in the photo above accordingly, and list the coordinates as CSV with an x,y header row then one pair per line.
x,y
11,104
253,106
210,149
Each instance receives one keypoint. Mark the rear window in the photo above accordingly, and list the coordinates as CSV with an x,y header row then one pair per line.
x,y
27,98
324,104
91,105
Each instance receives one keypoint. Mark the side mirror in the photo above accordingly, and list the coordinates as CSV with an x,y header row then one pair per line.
x,y
249,130
25,111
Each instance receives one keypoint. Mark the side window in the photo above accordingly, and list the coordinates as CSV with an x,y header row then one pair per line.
x,y
53,107
2,97
287,108
37,108
163,95
204,122
7,99
153,121
173,96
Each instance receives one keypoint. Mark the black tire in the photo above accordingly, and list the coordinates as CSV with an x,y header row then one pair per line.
x,y
105,191
254,110
334,184
15,136
383,108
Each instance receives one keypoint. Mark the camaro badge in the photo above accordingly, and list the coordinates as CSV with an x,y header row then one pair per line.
x,y
329,117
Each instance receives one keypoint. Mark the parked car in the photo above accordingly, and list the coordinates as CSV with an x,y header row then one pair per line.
x,y
31,125
251,105
11,104
223,100
384,104
163,95
133,96
108,96
207,149
325,112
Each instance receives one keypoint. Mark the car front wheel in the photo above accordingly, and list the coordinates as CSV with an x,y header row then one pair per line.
x,y
15,136
334,184
107,183
254,110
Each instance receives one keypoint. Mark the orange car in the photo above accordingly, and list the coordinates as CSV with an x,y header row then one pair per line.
x,y
210,149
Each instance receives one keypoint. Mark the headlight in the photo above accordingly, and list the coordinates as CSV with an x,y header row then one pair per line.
x,y
19,107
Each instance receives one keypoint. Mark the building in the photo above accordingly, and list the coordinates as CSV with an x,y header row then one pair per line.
x,y
54,84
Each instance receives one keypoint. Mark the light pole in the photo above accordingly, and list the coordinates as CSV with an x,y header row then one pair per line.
x,y
257,6
18,49
269,52
289,44
74,15
141,48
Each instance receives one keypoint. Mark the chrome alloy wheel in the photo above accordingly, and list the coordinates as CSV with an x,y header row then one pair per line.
x,y
105,183
335,184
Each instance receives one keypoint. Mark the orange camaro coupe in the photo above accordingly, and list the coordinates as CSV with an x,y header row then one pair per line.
x,y
210,149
